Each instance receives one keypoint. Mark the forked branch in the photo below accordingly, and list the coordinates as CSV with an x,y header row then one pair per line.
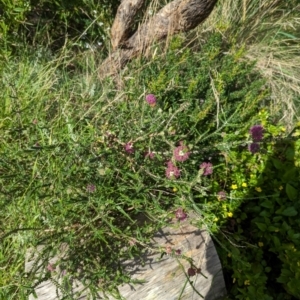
x,y
177,16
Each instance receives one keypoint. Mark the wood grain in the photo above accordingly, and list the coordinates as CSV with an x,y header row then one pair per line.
x,y
121,28
176,16
165,278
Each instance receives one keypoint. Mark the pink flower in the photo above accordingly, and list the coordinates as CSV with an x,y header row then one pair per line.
x,y
172,171
207,168
51,267
168,250
91,188
132,241
150,154
181,153
151,99
180,214
221,195
129,148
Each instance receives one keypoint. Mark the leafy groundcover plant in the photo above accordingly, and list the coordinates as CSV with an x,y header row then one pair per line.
x,y
82,163
78,24
262,235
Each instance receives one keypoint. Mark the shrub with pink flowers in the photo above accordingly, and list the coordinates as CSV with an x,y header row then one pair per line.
x,y
188,138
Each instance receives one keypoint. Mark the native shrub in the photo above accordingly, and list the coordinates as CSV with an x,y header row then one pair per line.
x,y
100,170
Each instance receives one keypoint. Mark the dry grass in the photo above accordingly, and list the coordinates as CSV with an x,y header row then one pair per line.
x,y
269,31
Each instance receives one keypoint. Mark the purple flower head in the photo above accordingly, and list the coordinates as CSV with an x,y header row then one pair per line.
x,y
178,252
129,148
172,171
91,188
253,147
151,99
257,132
181,153
191,271
207,168
221,195
180,214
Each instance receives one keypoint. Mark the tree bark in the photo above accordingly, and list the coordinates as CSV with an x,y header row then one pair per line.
x,y
177,16
121,28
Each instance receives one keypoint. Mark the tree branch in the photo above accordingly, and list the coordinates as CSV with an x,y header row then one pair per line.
x,y
121,28
177,16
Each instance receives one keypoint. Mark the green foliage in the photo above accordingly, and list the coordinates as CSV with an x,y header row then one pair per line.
x,y
266,226
68,177
209,87
82,24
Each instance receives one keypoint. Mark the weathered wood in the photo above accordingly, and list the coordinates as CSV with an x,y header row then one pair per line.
x,y
176,16
121,28
165,278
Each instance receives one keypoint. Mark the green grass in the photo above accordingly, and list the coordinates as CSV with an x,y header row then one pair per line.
x,y
65,175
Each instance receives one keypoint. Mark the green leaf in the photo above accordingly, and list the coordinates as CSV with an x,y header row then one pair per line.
x,y
288,35
265,213
268,269
285,226
290,174
276,241
277,163
290,212
267,204
290,153
19,9
291,192
120,209
282,279
272,228
261,226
